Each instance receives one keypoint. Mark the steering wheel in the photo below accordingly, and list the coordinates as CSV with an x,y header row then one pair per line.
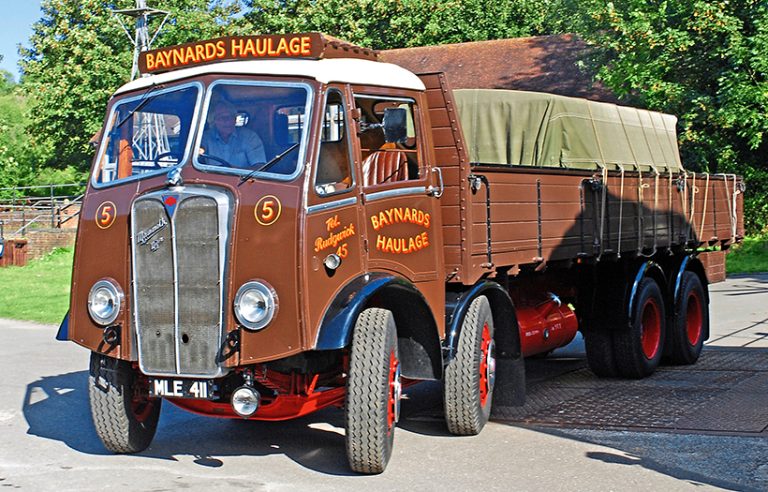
x,y
159,157
221,162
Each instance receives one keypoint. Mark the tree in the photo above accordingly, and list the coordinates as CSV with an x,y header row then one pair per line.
x,y
382,24
78,55
15,152
704,61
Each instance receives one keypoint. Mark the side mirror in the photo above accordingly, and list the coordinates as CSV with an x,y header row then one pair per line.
x,y
395,125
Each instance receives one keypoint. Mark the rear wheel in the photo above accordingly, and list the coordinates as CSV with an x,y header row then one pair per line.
x,y
599,347
470,377
638,349
373,391
690,323
125,421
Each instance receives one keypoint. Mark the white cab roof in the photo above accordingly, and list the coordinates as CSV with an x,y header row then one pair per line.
x,y
344,70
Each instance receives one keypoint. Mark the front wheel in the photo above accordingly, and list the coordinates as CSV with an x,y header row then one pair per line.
x,y
373,391
125,421
470,377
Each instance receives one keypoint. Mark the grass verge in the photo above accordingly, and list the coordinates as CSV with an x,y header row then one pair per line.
x,y
751,256
38,291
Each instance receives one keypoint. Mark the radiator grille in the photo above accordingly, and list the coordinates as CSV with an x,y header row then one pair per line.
x,y
178,277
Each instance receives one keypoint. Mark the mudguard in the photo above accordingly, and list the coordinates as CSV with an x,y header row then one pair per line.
x,y
456,307
63,333
418,340
509,390
693,264
647,269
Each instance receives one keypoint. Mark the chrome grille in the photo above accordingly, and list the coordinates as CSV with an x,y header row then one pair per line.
x,y
179,242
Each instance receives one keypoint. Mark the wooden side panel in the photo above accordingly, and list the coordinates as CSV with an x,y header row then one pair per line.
x,y
452,159
543,216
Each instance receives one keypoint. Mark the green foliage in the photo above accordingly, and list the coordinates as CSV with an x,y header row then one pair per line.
x,y
382,24
704,61
6,80
16,154
48,278
749,257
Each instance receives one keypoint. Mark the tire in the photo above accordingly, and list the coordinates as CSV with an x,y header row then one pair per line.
x,y
690,322
599,346
124,422
470,377
638,350
373,391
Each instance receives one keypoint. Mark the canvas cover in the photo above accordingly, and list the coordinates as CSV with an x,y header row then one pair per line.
x,y
520,128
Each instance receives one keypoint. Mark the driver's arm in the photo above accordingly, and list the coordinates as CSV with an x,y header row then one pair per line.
x,y
254,149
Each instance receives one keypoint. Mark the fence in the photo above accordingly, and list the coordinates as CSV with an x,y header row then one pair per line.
x,y
49,206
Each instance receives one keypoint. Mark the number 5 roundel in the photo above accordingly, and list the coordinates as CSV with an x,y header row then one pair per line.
x,y
105,215
268,210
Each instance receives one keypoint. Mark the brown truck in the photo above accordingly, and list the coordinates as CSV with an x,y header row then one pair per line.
x,y
278,224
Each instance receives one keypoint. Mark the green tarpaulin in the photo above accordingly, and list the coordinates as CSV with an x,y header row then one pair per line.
x,y
534,129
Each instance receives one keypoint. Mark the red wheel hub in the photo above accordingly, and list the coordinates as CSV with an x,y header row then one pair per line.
x,y
694,318
651,329
487,365
395,391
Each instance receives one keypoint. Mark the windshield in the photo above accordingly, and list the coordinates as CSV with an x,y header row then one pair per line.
x,y
147,134
254,128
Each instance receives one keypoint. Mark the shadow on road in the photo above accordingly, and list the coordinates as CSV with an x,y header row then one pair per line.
x,y
57,408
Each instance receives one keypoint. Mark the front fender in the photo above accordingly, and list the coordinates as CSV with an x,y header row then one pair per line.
x,y
339,319
63,333
417,336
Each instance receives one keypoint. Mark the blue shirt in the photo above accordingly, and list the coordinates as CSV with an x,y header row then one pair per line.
x,y
243,149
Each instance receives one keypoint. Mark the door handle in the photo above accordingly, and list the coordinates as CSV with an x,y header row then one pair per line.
x,y
437,192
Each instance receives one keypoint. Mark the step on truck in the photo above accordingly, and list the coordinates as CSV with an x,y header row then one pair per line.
x,y
274,225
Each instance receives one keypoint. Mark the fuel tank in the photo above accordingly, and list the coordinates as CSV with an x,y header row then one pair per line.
x,y
546,326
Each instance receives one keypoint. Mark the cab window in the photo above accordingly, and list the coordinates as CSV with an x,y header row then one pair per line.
x,y
254,127
388,140
334,169
146,134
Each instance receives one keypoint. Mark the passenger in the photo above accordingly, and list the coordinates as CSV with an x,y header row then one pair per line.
x,y
224,142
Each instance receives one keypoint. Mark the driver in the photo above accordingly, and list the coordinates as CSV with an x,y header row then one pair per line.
x,y
237,146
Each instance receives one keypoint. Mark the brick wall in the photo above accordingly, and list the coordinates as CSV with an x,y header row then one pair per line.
x,y
43,241
714,264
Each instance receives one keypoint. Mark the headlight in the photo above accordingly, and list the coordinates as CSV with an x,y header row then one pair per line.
x,y
255,305
104,302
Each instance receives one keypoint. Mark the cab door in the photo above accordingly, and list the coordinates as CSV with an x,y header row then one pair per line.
x,y
402,222
334,239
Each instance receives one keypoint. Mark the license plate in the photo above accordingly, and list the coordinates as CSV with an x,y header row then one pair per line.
x,y
181,388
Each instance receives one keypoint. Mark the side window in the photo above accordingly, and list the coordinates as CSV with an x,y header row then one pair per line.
x,y
387,140
334,169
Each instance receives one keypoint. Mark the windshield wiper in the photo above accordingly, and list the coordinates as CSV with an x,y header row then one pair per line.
x,y
143,102
269,163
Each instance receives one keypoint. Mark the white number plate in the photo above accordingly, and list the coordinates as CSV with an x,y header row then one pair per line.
x,y
181,388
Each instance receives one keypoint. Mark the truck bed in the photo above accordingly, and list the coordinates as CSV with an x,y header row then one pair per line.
x,y
517,217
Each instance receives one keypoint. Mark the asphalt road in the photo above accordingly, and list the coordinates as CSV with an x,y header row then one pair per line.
x,y
48,441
